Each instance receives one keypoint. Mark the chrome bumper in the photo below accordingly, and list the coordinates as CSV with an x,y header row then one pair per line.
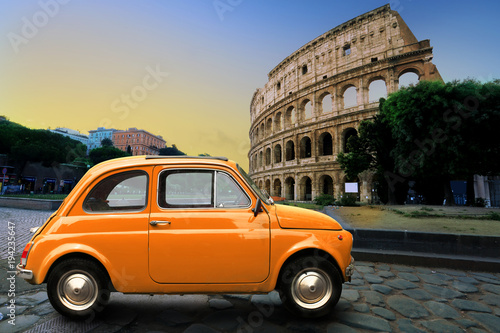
x,y
349,271
24,273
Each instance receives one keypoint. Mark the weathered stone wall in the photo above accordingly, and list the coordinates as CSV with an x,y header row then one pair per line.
x,y
301,118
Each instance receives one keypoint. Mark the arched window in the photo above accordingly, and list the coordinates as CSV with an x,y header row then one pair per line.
x,y
305,189
326,184
262,131
268,156
290,151
305,147
377,90
277,188
269,126
268,186
260,159
407,79
327,103
350,97
277,153
277,122
347,134
290,188
290,117
325,144
306,110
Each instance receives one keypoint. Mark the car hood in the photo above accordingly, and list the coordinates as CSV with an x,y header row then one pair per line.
x,y
290,217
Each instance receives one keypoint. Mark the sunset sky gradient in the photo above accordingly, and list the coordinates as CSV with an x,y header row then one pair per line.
x,y
187,71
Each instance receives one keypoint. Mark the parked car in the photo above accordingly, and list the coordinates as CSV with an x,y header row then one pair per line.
x,y
178,225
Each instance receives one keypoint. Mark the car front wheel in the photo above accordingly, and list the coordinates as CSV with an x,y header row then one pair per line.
x,y
77,288
310,287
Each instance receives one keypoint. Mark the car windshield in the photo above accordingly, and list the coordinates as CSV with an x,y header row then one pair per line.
x,y
263,195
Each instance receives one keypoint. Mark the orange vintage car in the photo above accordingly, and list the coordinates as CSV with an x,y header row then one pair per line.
x,y
163,225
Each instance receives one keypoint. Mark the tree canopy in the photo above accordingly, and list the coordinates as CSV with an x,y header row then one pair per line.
x,y
105,153
432,133
171,151
22,144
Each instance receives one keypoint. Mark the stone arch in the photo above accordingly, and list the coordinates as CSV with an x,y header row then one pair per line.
x,y
278,126
408,76
260,159
290,150
326,185
349,96
290,117
268,156
305,189
346,135
305,147
377,89
268,186
325,144
277,153
290,188
269,126
255,161
262,136
261,185
326,102
277,187
306,111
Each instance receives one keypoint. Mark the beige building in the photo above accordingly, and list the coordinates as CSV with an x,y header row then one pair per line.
x,y
138,141
316,98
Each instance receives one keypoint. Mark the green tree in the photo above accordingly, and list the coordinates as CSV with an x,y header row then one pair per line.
x,y
431,133
22,144
106,142
171,151
102,154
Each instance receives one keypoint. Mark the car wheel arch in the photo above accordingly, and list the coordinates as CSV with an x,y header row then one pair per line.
x,y
83,256
308,252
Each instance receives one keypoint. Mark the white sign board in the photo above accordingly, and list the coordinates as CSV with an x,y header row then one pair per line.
x,y
351,187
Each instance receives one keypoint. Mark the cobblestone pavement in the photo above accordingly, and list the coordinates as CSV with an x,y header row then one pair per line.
x,y
381,297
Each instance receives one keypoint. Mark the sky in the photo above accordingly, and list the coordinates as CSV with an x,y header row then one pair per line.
x,y
187,69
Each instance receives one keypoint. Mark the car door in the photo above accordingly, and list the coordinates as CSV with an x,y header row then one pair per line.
x,y
202,229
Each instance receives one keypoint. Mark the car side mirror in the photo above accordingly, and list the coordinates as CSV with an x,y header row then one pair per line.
x,y
258,208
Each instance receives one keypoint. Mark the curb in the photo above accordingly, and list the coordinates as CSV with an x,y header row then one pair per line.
x,y
32,204
478,253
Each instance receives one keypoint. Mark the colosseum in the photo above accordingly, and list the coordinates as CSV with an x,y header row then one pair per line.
x,y
315,99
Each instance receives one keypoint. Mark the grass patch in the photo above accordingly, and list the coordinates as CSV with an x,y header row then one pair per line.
x,y
452,220
301,205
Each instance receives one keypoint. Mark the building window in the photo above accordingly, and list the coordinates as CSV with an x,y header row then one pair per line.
x,y
304,69
278,85
347,50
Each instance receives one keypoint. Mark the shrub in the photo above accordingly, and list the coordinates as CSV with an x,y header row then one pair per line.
x,y
348,199
324,200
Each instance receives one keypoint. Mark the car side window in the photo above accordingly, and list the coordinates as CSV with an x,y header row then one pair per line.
x,y
229,194
125,191
186,189
200,189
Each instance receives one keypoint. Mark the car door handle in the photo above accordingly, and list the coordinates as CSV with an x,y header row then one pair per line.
x,y
153,223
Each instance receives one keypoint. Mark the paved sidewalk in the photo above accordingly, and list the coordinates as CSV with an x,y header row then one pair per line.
x,y
381,297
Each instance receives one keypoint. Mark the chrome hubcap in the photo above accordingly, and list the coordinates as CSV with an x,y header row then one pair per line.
x,y
77,290
312,288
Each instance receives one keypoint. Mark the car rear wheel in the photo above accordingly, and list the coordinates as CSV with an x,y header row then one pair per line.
x,y
77,288
310,287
